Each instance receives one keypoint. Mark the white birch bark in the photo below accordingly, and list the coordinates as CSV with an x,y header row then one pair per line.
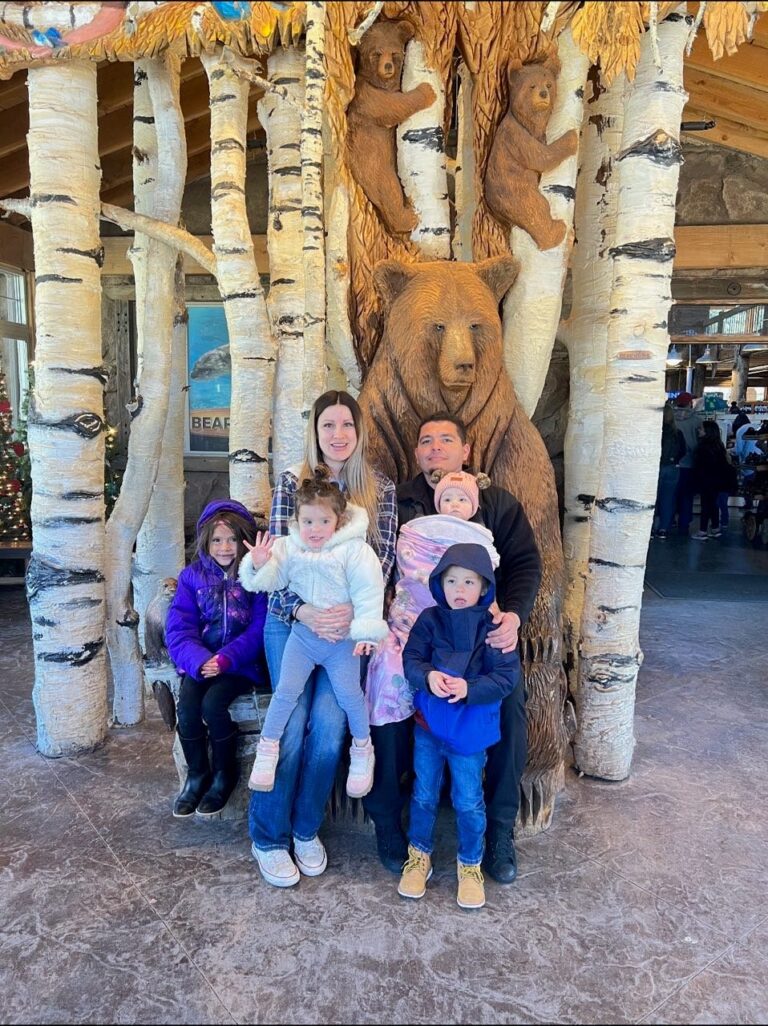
x,y
465,192
160,542
337,286
150,415
648,169
282,124
586,335
312,212
421,161
739,378
533,304
65,582
250,337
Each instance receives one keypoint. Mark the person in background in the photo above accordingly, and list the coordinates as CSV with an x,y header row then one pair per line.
x,y
672,451
687,422
713,474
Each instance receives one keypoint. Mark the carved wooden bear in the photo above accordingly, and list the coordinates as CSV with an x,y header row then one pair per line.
x,y
377,107
442,348
520,154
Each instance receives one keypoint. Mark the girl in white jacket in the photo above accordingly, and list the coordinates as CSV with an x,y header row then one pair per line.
x,y
326,561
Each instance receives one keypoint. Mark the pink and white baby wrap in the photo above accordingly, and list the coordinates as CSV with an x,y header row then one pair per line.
x,y
420,547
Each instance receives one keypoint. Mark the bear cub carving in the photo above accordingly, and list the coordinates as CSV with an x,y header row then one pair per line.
x,y
520,154
377,107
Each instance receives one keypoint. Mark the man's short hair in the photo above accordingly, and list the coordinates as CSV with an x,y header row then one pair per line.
x,y
444,415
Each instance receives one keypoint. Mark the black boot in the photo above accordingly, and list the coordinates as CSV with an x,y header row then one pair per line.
x,y
198,775
500,860
226,773
392,846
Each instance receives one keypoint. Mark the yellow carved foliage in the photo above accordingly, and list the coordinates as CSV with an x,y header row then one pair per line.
x,y
726,26
610,35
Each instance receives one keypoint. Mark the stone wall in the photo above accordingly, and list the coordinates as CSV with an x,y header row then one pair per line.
x,y
721,186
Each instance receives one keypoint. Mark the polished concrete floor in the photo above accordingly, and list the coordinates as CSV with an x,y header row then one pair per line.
x,y
645,902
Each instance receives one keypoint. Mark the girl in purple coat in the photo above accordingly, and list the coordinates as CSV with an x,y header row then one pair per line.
x,y
215,638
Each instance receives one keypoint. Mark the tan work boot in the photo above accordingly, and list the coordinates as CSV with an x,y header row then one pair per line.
x,y
416,871
471,890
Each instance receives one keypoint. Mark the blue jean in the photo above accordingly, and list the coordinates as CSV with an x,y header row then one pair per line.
x,y
429,759
666,495
309,754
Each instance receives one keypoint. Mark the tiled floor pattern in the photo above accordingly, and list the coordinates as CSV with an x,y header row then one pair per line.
x,y
645,901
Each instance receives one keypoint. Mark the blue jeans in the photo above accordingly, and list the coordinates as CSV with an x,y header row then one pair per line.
x,y
666,495
429,759
309,754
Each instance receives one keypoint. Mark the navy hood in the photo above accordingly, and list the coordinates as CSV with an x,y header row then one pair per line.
x,y
219,506
470,557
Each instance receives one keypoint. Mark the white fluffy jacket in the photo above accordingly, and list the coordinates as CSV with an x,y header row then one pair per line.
x,y
345,569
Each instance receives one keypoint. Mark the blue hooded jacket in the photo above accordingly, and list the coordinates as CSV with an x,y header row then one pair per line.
x,y
212,614
453,641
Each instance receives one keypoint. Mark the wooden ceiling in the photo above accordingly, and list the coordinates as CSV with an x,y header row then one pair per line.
x,y
733,91
115,95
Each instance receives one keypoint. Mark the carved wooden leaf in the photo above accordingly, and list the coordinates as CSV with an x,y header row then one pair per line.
x,y
726,26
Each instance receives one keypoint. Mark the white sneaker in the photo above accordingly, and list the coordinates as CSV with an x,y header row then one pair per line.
x,y
361,762
310,856
263,773
277,867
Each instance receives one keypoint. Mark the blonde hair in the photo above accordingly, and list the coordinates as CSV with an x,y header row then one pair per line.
x,y
356,474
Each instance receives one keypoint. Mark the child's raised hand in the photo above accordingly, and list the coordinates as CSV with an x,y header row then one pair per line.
x,y
457,687
364,648
261,550
438,683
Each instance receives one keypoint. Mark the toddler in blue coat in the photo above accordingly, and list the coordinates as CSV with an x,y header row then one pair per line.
x,y
215,638
458,683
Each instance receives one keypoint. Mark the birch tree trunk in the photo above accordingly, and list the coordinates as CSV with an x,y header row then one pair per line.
x,y
312,208
337,286
421,159
648,166
533,304
150,415
739,377
285,241
160,541
586,336
65,581
464,181
251,344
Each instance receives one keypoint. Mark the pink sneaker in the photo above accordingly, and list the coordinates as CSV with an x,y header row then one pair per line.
x,y
263,773
361,761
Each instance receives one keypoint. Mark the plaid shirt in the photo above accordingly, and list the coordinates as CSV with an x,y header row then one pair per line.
x,y
283,604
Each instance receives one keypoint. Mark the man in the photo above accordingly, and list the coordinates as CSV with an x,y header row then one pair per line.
x,y
687,422
442,445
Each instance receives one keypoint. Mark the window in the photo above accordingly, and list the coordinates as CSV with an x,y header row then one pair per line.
x,y
14,337
209,378
718,323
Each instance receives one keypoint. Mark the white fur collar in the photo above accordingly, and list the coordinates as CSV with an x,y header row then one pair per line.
x,y
356,527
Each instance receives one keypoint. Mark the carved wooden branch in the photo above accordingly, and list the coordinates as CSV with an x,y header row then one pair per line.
x,y
356,34
246,69
168,233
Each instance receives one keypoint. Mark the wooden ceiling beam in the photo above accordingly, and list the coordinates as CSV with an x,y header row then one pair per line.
x,y
727,99
14,91
747,66
726,133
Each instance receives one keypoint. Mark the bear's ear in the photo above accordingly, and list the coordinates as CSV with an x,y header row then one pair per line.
x,y
390,277
552,64
499,274
513,67
405,31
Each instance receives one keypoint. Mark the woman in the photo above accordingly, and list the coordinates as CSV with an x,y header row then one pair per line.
x,y
713,474
313,738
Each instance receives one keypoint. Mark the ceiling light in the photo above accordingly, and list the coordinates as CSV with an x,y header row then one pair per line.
x,y
706,357
754,347
674,359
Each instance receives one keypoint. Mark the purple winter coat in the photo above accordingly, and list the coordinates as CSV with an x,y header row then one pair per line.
x,y
212,614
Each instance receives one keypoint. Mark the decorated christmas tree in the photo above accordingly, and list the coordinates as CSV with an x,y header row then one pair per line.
x,y
14,525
